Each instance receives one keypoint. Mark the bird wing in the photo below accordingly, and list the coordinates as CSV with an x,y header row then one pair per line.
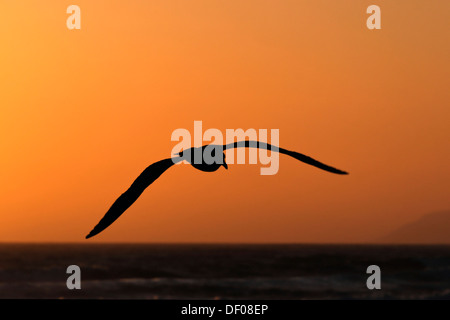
x,y
295,155
146,178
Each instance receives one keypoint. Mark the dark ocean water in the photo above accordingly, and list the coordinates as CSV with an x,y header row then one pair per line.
x,y
148,271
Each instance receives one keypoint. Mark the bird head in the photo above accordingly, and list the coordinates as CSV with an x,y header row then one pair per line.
x,y
186,154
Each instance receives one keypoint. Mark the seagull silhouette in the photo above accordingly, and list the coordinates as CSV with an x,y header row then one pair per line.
x,y
152,172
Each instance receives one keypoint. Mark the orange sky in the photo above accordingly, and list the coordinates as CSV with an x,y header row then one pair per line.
x,y
83,112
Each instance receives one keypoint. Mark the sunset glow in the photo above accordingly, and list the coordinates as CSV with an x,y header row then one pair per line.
x,y
83,112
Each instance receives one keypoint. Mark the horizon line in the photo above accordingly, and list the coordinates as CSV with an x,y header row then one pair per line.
x,y
220,243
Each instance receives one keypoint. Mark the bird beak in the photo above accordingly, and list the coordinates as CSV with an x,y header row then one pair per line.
x,y
225,165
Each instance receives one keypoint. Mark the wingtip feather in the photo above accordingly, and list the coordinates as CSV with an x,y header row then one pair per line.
x,y
91,234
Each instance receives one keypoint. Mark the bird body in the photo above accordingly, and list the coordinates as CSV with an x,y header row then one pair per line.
x,y
208,158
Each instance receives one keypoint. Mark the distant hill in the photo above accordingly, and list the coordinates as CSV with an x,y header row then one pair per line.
x,y
433,228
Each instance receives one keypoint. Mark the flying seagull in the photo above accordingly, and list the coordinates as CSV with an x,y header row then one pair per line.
x,y
152,172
